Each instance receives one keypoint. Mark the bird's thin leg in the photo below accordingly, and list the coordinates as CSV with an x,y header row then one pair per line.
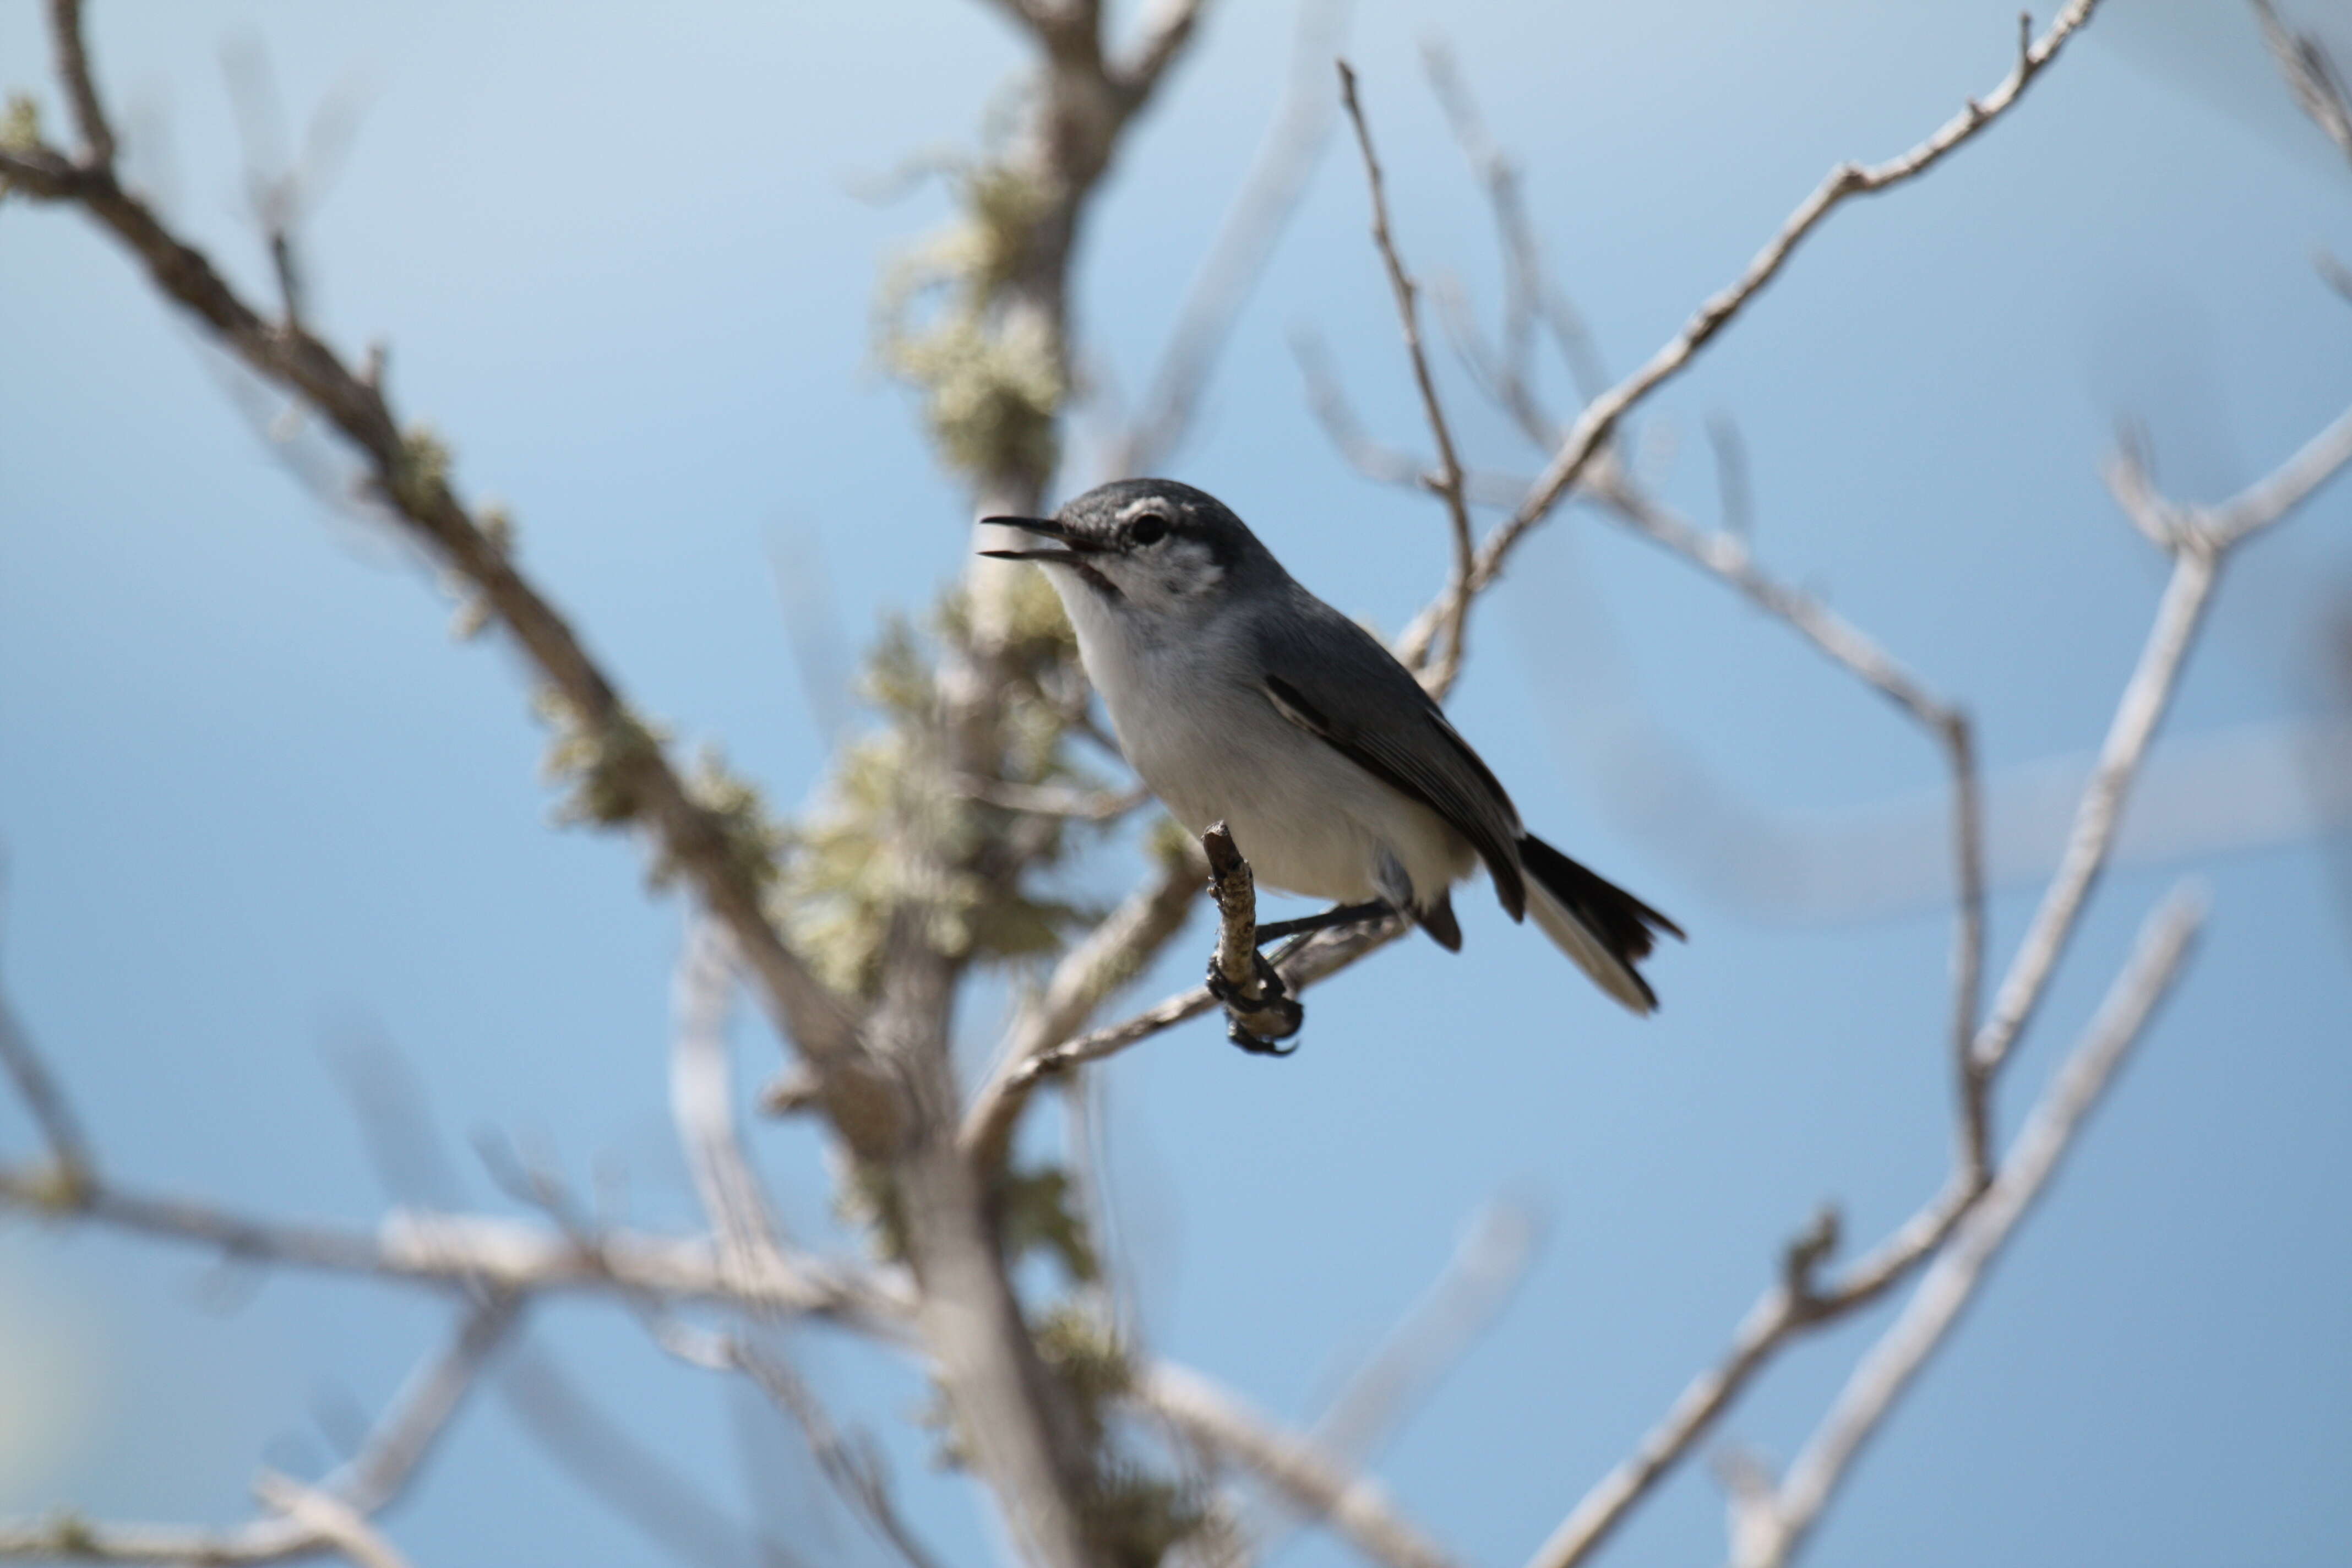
x,y
1339,915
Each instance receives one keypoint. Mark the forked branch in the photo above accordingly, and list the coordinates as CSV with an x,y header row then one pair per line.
x,y
1600,418
1780,1520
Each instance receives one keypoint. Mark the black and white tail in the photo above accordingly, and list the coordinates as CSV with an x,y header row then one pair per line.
x,y
1601,925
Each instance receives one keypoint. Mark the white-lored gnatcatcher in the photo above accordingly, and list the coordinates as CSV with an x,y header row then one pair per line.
x,y
1241,697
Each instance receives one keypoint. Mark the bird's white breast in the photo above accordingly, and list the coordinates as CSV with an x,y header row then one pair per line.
x,y
1195,720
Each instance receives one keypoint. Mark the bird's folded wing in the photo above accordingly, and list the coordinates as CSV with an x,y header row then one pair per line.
x,y
1411,748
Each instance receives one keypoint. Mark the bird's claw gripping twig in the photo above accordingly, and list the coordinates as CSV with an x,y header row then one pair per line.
x,y
1259,1008
1255,1023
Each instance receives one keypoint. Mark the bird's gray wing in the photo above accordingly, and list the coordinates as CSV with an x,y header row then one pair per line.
x,y
1332,678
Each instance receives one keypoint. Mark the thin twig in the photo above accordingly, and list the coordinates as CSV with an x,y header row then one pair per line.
x,y
1166,31
1300,963
2279,492
1381,464
1110,957
479,1252
411,475
1790,1306
702,1102
331,1521
1587,437
1891,1363
423,1408
1352,1505
330,1516
2100,810
1448,481
1528,294
72,1164
1726,556
2199,538
1020,1431
81,88
1049,800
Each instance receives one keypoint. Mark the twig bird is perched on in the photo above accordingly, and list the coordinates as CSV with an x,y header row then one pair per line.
x,y
1241,697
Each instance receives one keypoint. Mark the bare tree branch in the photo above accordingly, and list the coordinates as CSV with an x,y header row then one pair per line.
x,y
887,1075
1047,800
73,1166
2198,537
1380,464
2145,700
423,1409
477,1252
1600,417
1352,1505
1453,620
81,88
331,1521
410,473
1017,1422
1110,957
875,1097
1166,30
1793,1305
2273,497
330,1516
702,1102
1528,294
547,1403
1896,1358
1726,556
1300,963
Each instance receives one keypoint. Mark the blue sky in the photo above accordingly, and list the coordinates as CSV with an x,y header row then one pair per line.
x,y
259,808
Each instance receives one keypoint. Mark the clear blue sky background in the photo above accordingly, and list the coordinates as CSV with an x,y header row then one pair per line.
x,y
257,804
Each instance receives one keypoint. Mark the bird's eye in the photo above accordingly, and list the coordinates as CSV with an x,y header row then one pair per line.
x,y
1149,529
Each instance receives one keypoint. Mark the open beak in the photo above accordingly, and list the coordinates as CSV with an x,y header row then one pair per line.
x,y
1075,547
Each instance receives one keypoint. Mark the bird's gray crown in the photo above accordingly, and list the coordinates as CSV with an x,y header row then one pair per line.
x,y
1126,513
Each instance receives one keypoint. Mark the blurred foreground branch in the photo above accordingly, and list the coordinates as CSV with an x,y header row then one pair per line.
x,y
1600,418
332,1515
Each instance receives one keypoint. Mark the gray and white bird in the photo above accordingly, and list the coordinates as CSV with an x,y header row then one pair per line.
x,y
1239,696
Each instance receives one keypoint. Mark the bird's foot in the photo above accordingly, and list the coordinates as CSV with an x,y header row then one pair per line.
x,y
1338,915
1255,1022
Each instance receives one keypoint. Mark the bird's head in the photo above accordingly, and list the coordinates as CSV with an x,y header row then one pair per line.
x,y
1145,546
